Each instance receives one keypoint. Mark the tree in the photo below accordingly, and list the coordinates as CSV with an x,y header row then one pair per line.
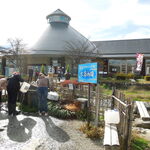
x,y
79,50
14,54
43,69
67,68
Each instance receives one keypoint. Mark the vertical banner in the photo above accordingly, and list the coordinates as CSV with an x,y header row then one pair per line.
x,y
139,61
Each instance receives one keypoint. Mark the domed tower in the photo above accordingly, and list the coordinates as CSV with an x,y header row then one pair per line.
x,y
58,16
51,47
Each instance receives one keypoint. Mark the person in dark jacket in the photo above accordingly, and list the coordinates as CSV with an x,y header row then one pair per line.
x,y
13,87
67,76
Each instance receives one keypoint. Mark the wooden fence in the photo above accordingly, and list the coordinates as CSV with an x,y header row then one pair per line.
x,y
125,107
100,102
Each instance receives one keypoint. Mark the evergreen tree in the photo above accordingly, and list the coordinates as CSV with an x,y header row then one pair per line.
x,y
43,69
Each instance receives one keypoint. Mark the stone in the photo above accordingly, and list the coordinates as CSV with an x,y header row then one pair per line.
x,y
143,124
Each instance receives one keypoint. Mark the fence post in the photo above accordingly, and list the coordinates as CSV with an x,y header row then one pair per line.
x,y
97,105
89,106
129,129
113,100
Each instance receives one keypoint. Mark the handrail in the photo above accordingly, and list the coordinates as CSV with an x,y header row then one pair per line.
x,y
120,101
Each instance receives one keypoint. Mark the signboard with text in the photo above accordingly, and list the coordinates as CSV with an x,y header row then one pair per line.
x,y
88,72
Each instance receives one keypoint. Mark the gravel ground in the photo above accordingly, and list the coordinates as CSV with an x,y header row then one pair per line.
x,y
43,133
79,139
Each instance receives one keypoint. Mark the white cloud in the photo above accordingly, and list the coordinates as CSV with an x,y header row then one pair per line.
x,y
140,33
27,18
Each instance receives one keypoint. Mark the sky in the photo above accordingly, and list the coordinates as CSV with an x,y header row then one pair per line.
x,y
98,20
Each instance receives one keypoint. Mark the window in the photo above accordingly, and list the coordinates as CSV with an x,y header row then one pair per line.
x,y
125,66
147,66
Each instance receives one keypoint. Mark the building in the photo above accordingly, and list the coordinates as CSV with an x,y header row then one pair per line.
x,y
120,55
52,47
51,50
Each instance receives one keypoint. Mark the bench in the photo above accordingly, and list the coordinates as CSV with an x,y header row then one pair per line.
x,y
143,111
111,139
111,135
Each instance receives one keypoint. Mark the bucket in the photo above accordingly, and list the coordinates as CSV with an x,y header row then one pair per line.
x,y
25,87
112,116
53,96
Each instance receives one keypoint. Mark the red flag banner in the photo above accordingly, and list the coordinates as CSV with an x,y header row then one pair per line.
x,y
139,61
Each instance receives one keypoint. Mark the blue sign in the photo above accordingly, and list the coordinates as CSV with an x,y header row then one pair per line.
x,y
88,72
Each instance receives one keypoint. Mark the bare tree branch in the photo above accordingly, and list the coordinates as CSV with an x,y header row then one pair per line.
x,y
80,50
14,54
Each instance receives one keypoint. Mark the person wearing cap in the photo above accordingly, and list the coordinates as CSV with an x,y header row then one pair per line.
x,y
13,87
42,90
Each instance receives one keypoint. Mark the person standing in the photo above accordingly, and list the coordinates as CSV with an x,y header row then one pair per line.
x,y
67,76
36,74
30,75
13,87
42,90
59,74
3,85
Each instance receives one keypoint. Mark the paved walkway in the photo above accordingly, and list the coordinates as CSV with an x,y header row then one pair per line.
x,y
42,133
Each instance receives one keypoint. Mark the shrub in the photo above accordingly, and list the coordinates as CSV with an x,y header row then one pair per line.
x,y
57,111
147,78
130,76
121,76
138,143
111,75
92,131
26,108
82,114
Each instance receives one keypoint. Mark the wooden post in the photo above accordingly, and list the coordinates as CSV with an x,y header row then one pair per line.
x,y
113,100
97,105
129,129
89,108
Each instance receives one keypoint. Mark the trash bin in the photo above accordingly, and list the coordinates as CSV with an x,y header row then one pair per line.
x,y
83,102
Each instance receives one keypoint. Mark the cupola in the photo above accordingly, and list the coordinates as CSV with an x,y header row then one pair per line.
x,y
58,16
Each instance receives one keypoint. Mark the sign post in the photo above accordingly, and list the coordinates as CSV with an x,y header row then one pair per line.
x,y
88,73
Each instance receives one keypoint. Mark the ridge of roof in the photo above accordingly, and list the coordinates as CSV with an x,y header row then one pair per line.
x,y
121,40
124,46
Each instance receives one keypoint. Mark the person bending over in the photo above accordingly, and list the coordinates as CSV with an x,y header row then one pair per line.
x,y
13,88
